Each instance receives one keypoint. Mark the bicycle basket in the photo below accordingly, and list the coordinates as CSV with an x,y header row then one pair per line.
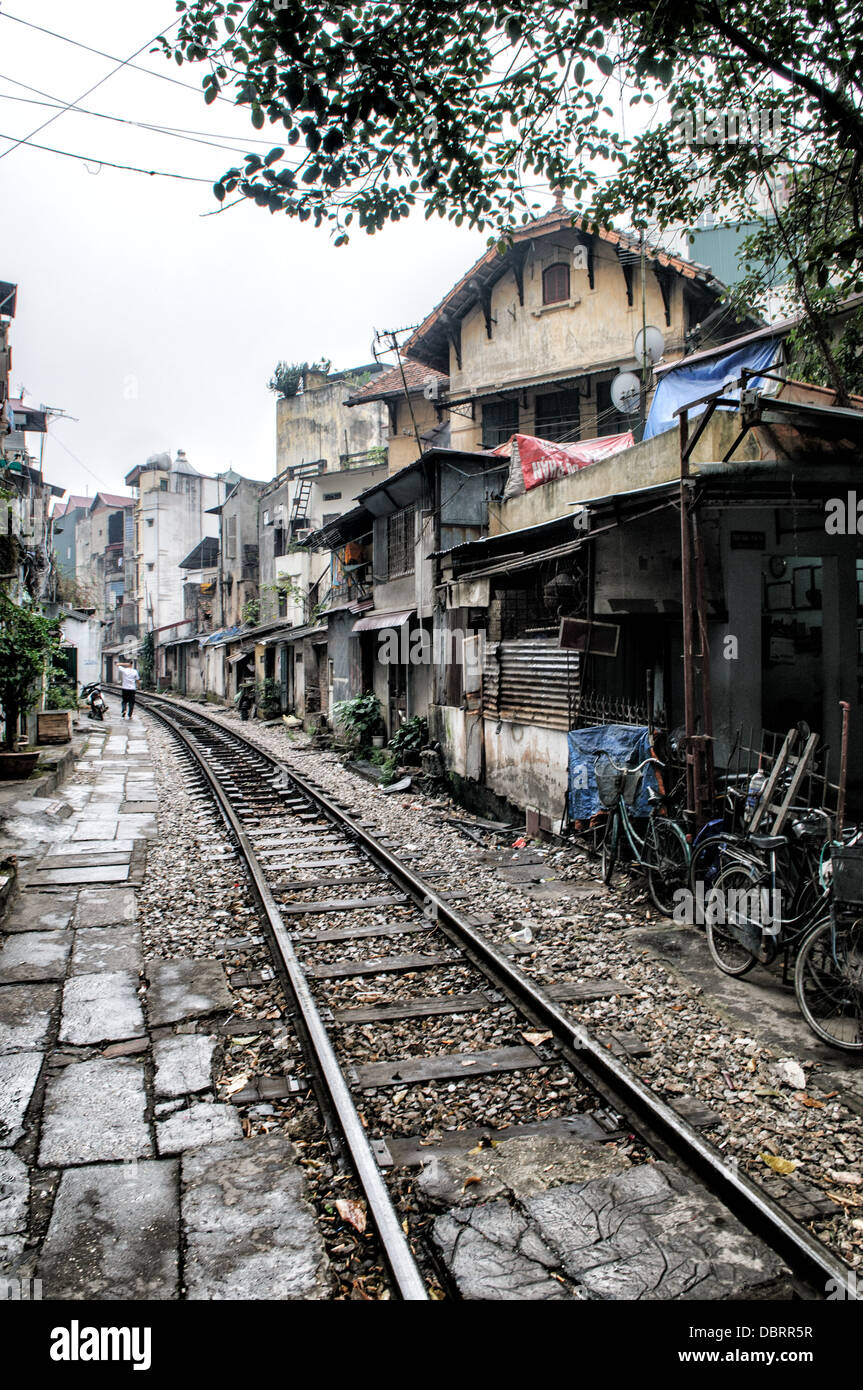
x,y
631,784
609,784
848,875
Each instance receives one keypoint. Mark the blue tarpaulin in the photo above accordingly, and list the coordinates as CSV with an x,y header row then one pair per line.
x,y
689,383
627,745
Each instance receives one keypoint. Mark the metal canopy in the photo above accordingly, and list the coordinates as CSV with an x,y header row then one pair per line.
x,y
376,622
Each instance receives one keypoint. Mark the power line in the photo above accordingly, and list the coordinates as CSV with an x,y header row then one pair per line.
x,y
163,76
82,464
123,120
108,163
145,125
125,61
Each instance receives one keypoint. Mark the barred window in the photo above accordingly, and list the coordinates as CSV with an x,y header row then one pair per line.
x,y
558,415
400,542
499,422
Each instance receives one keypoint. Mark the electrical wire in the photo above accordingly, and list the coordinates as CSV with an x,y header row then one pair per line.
x,y
163,76
109,163
193,138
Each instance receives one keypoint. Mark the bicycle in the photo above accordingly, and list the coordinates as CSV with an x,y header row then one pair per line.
x,y
823,934
738,943
828,977
663,850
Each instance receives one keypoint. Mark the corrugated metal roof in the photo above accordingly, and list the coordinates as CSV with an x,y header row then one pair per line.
x,y
377,622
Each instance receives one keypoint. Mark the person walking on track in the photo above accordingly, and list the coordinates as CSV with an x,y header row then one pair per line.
x,y
129,678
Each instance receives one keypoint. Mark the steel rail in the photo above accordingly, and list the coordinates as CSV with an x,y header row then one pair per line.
x,y
806,1256
405,1272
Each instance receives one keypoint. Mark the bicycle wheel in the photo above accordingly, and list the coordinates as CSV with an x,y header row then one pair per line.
x,y
610,843
728,953
828,983
708,859
666,859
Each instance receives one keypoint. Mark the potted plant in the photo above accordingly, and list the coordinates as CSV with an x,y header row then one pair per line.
x,y
360,718
54,722
28,643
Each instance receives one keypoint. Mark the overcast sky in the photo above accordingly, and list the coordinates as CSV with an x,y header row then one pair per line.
x,y
154,325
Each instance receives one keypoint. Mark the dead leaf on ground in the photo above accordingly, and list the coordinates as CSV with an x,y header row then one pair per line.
x,y
468,1182
352,1212
534,1039
809,1101
236,1085
779,1165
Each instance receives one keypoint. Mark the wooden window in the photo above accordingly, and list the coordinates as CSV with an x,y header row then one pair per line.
x,y
558,415
499,422
555,283
400,542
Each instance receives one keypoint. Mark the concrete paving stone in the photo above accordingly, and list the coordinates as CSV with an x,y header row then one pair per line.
x,y
517,1167
35,955
250,1230
19,1073
34,805
95,859
14,1193
40,912
139,808
101,1008
79,849
94,1112
200,1124
95,830
105,948
181,989
137,827
106,907
112,873
651,1233
493,1253
11,1255
184,1064
114,1233
25,1015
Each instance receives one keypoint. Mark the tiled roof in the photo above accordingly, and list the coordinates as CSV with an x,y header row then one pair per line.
x,y
391,383
111,499
71,503
429,341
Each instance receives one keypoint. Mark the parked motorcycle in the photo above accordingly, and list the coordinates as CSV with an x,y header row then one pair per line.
x,y
92,693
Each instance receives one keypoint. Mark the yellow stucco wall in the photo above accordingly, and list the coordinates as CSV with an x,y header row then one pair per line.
x,y
403,448
313,425
594,332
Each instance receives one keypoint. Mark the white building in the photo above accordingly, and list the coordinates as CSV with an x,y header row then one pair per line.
x,y
171,516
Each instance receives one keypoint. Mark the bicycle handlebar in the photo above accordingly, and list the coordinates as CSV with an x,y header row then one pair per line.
x,y
601,753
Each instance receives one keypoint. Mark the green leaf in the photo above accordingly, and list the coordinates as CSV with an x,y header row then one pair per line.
x,y
605,64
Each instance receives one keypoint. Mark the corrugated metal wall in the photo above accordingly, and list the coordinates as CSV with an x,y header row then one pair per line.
x,y
530,682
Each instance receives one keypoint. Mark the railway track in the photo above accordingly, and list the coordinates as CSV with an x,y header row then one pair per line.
x,y
324,883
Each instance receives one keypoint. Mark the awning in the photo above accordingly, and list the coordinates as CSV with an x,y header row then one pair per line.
x,y
294,634
179,641
240,655
375,622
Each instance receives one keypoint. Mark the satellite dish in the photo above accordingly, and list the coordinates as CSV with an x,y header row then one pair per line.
x,y
655,344
626,393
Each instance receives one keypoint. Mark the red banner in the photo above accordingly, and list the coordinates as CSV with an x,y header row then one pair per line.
x,y
541,460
